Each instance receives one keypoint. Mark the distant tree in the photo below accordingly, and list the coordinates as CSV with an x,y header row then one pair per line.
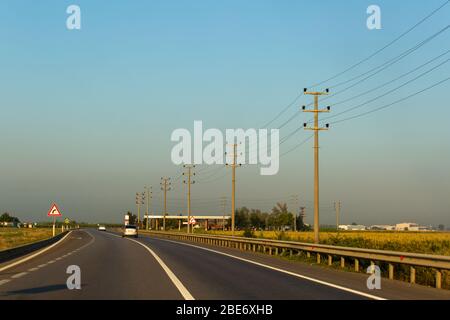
x,y
354,224
242,218
441,227
132,217
6,217
301,226
280,216
258,219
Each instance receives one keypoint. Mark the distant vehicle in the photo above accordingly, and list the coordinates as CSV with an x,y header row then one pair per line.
x,y
130,231
101,228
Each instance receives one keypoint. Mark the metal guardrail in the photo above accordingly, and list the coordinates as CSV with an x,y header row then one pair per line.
x,y
13,253
275,247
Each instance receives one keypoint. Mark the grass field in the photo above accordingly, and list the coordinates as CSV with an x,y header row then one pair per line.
x,y
14,237
418,242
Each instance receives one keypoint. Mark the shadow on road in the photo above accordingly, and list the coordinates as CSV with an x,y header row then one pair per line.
x,y
37,290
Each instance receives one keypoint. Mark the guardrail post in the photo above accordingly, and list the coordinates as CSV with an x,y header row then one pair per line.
x,y
342,262
270,250
254,247
318,258
276,251
290,253
356,265
330,260
391,271
438,279
308,254
412,278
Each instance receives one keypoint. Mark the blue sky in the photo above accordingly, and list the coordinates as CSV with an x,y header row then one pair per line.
x,y
86,115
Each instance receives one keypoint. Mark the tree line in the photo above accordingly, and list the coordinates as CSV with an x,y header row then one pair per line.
x,y
280,218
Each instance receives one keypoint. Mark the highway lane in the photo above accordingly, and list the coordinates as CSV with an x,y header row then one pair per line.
x,y
247,275
111,268
149,268
209,275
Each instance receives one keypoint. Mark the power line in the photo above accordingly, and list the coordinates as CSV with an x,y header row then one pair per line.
x,y
391,81
397,58
385,47
393,103
386,93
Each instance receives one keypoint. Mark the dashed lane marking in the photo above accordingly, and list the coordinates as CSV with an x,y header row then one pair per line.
x,y
4,281
19,275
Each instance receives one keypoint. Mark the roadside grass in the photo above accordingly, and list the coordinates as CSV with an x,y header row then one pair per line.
x,y
15,237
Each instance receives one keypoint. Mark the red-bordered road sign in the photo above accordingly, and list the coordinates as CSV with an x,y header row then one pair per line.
x,y
54,211
192,221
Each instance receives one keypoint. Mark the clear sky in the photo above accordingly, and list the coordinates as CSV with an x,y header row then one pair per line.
x,y
86,115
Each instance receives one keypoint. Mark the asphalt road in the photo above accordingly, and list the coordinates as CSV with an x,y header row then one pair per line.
x,y
147,268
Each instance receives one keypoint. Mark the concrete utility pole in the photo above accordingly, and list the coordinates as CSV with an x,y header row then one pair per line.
x,y
148,197
189,174
294,199
233,186
337,207
138,205
316,130
223,201
165,186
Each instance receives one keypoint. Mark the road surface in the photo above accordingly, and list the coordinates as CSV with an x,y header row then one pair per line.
x,y
148,268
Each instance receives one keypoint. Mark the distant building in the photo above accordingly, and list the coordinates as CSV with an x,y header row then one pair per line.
x,y
409,226
382,227
351,227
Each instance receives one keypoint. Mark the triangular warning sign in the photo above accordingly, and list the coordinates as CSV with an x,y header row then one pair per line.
x,y
54,211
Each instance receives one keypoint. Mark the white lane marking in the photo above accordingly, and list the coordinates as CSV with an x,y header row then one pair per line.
x,y
370,296
34,255
4,281
19,275
181,288
51,261
33,269
42,265
59,258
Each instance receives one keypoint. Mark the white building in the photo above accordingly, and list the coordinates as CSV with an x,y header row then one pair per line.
x,y
382,227
407,226
351,227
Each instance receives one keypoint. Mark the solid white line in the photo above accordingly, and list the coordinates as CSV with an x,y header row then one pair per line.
x,y
34,255
19,275
4,281
370,296
184,292
181,288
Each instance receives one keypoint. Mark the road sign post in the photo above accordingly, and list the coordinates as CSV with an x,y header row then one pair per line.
x,y
54,212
